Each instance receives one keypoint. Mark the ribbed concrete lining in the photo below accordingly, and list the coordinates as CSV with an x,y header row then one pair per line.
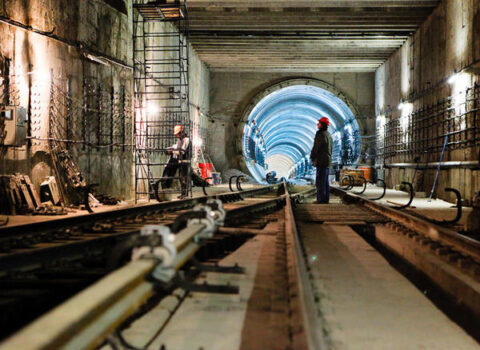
x,y
284,124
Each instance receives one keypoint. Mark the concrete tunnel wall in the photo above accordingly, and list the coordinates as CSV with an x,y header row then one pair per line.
x,y
231,94
104,27
419,72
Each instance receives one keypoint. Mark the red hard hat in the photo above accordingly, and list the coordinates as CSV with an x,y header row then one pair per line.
x,y
325,121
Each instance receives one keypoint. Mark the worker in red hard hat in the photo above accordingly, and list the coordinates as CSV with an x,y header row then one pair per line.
x,y
321,157
180,154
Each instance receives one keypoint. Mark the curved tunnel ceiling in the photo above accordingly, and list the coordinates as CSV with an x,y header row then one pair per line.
x,y
279,132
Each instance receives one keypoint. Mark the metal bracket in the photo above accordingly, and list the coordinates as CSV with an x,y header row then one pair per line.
x,y
217,268
219,213
165,252
206,287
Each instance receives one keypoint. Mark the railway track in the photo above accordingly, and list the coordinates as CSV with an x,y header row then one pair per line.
x,y
43,264
284,307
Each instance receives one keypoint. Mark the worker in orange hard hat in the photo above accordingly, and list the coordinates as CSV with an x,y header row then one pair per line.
x,y
180,154
321,157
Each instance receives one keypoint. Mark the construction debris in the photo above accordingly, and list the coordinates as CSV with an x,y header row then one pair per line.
x,y
17,195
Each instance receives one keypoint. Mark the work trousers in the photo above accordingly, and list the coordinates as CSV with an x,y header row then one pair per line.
x,y
170,170
322,184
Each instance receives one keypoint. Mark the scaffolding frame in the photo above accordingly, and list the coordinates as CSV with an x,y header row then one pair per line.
x,y
161,63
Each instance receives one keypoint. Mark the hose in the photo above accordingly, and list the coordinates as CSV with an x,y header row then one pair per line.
x,y
459,209
364,185
230,183
411,193
384,191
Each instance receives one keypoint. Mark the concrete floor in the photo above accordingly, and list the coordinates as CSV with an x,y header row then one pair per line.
x,y
204,321
436,208
365,303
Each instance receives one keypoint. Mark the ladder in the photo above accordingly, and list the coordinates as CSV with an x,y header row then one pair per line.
x,y
160,54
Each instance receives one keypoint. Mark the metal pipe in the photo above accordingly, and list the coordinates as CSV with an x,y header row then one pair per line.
x,y
73,43
433,165
186,235
119,294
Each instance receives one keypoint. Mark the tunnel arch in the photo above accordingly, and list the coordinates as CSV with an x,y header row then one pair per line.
x,y
278,126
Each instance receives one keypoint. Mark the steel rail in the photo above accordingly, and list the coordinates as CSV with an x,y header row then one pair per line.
x,y
312,323
435,232
102,241
86,320
88,220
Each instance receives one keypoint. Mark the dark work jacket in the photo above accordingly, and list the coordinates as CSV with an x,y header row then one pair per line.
x,y
321,154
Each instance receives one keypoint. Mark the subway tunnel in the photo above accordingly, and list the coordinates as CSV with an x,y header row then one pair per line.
x,y
138,139
280,130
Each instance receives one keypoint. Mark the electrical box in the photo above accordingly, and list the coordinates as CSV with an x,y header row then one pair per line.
x,y
13,126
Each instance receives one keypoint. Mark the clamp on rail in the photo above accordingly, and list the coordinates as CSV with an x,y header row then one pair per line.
x,y
171,251
163,250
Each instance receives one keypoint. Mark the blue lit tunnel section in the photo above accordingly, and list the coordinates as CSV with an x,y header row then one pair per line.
x,y
280,130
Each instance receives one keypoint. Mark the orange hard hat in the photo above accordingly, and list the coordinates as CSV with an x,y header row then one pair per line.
x,y
177,129
325,120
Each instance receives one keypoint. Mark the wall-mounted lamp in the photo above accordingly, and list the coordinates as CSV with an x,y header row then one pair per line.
x,y
152,108
454,77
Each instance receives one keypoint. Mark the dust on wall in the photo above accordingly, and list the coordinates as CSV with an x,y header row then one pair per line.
x,y
58,48
420,75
